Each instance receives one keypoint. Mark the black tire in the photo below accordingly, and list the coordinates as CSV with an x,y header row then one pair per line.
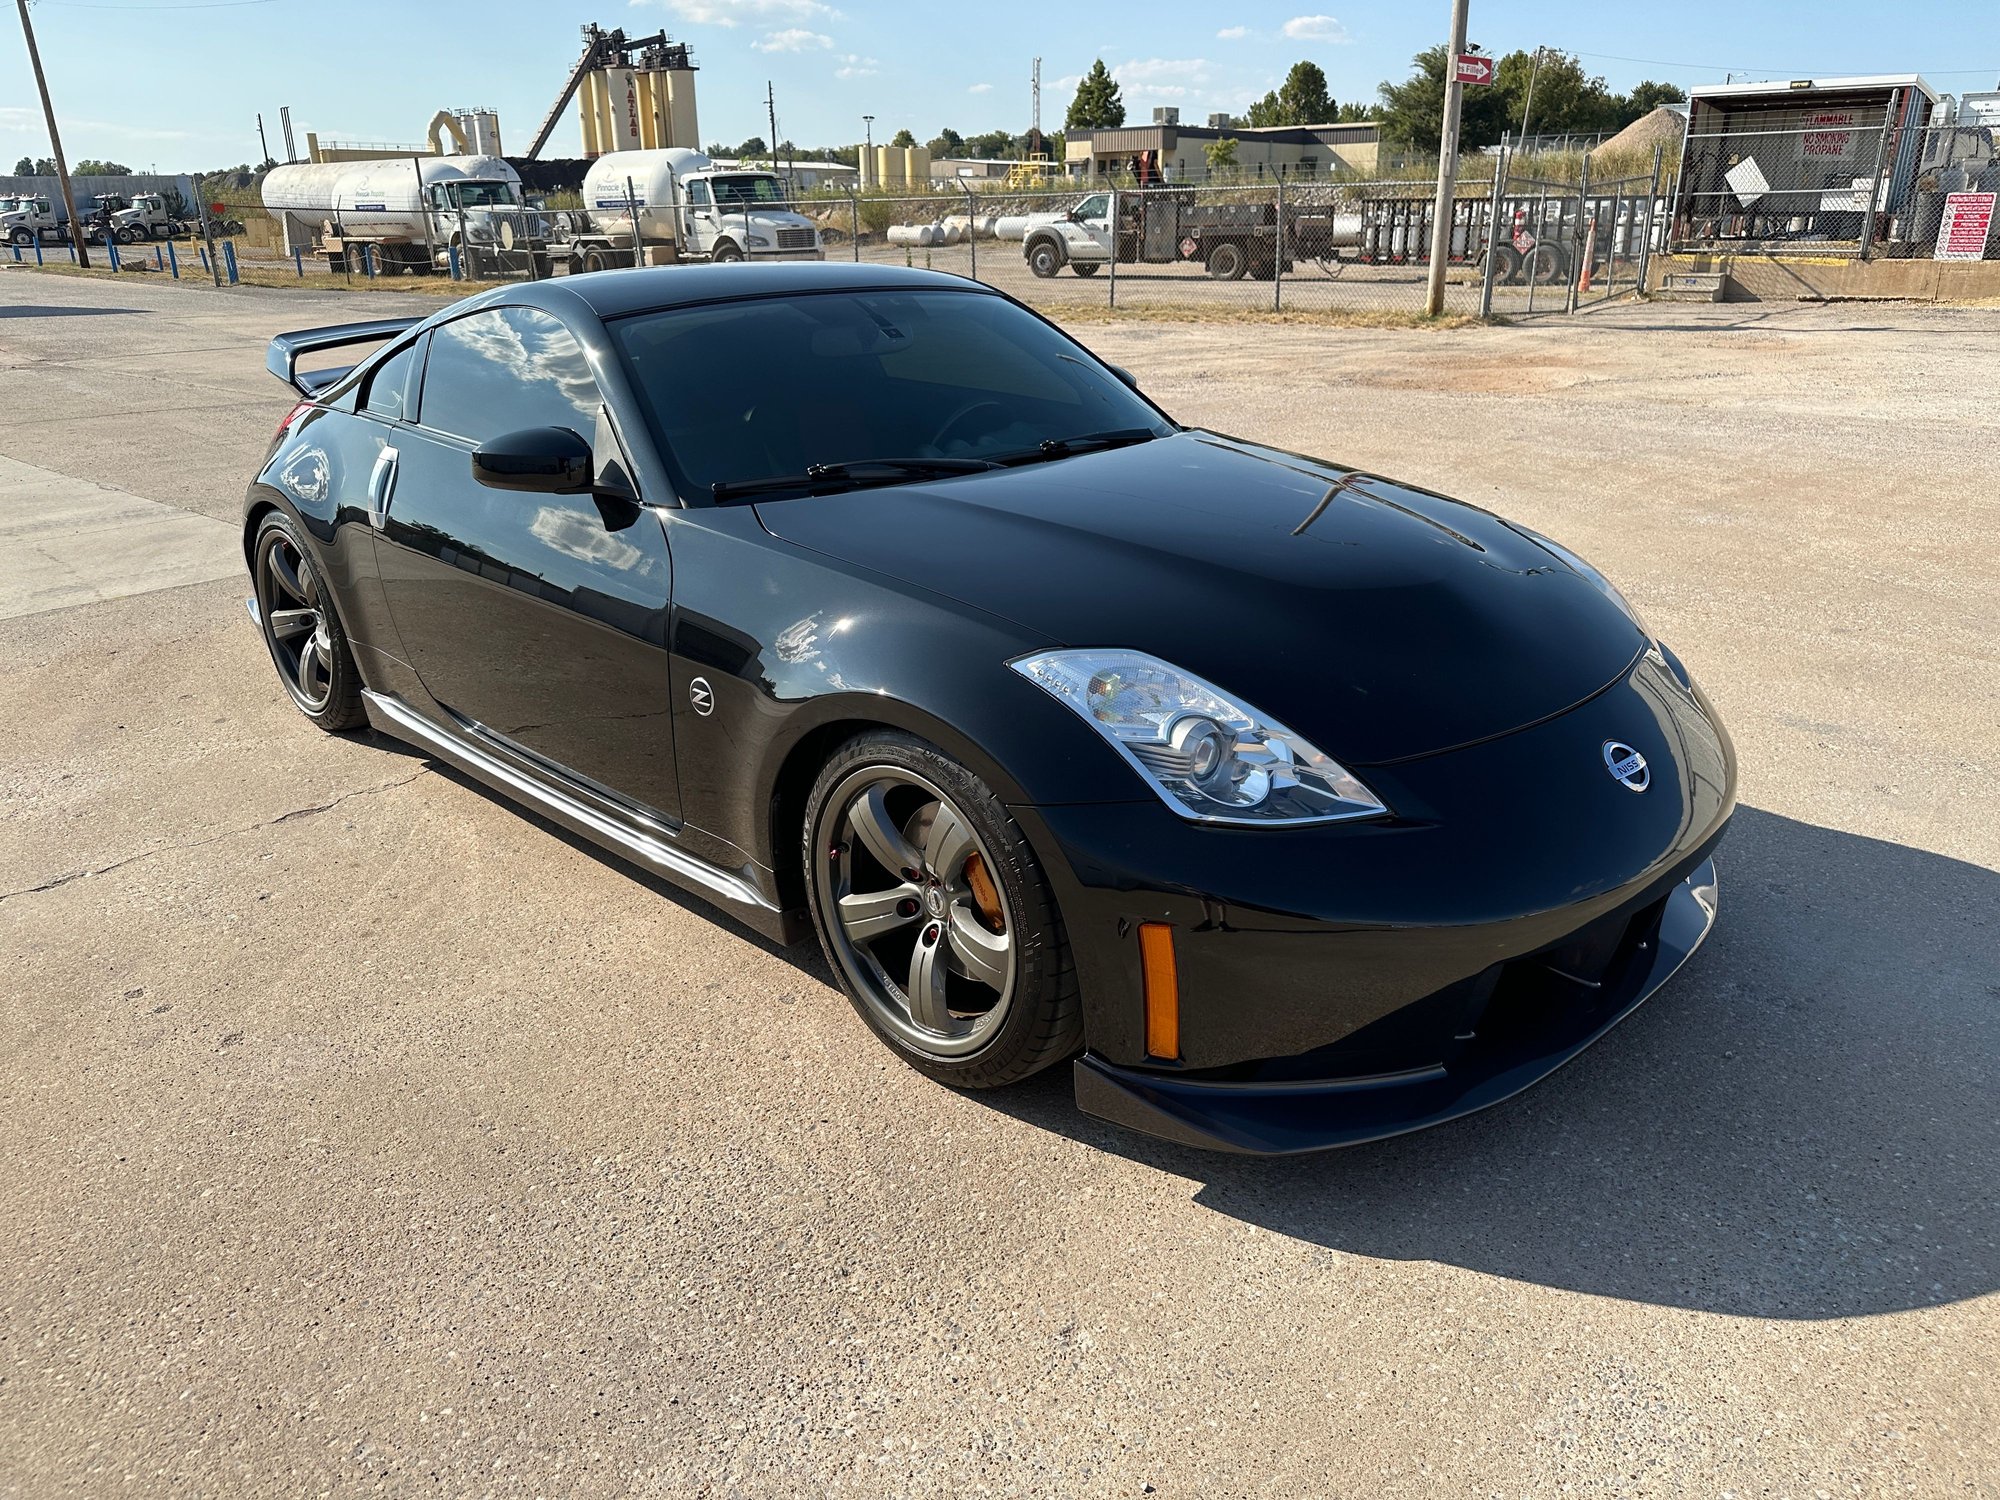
x,y
1227,261
1045,258
1084,267
1506,264
1041,1015
23,236
1545,264
331,695
593,260
726,254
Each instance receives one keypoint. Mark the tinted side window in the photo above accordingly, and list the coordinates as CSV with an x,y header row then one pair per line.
x,y
387,383
503,370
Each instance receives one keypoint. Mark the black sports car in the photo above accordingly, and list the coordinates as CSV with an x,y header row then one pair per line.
x,y
1297,806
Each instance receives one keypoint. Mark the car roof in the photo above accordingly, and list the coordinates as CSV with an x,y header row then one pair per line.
x,y
613,294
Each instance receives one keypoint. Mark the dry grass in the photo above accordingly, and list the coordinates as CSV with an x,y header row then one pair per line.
x,y
1328,318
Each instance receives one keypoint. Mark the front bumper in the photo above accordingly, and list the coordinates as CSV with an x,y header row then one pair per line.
x,y
1524,1031
1345,983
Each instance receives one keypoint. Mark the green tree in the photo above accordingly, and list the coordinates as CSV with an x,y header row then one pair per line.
x,y
753,149
989,146
1099,104
1567,99
1354,114
946,142
90,166
1649,96
1412,112
1301,99
903,138
25,167
1221,155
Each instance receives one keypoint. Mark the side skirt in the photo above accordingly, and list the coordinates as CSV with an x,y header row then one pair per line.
x,y
650,849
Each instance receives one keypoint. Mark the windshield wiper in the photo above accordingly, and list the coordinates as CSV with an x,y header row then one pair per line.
x,y
1089,442
820,479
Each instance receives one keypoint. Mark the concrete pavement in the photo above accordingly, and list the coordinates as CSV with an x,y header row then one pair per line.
x,y
366,1135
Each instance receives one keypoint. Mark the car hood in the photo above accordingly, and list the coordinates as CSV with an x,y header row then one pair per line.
x,y
1380,621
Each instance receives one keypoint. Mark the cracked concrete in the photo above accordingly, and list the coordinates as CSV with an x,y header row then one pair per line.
x,y
365,1136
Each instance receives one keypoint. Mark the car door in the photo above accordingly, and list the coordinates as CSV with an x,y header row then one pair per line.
x,y
1093,218
701,219
536,620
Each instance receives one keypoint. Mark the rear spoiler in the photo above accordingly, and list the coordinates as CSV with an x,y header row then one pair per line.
x,y
282,359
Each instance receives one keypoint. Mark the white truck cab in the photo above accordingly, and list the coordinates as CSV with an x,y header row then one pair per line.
x,y
25,219
1079,238
682,198
146,219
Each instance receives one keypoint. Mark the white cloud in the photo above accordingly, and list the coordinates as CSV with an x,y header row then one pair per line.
x,y
980,88
1067,81
1315,29
854,65
1232,33
793,39
753,12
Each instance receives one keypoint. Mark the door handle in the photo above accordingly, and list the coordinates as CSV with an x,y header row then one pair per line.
x,y
379,483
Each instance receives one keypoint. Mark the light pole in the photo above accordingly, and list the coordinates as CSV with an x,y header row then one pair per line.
x,y
55,140
868,151
1528,105
1454,94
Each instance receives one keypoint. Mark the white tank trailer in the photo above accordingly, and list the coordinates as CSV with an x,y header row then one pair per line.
x,y
411,211
687,208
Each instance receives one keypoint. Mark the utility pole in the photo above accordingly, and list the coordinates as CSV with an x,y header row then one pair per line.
x,y
261,139
55,140
1528,105
868,152
1454,95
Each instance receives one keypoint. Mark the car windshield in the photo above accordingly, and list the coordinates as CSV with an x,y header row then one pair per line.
x,y
739,192
737,392
485,194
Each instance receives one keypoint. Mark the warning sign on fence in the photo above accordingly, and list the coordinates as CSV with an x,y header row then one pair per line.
x,y
1968,220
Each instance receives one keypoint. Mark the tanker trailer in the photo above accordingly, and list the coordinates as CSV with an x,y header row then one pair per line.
x,y
411,211
687,208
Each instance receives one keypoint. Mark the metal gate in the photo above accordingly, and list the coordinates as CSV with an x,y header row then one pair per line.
x,y
1563,246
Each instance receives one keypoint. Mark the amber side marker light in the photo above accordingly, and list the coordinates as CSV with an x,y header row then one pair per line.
x,y
1163,990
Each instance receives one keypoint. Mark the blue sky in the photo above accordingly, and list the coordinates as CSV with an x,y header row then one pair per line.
x,y
371,70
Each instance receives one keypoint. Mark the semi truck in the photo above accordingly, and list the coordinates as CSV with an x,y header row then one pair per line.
x,y
678,204
409,213
28,218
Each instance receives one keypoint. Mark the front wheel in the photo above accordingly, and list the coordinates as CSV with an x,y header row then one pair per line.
x,y
301,630
726,254
23,237
1044,259
935,915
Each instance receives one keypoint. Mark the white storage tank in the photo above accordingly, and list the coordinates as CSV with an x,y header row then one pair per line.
x,y
381,199
652,177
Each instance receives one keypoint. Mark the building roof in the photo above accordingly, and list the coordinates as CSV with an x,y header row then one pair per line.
x,y
1817,85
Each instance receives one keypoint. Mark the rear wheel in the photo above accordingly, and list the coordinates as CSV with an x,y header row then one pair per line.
x,y
935,915
1227,262
301,630
1084,267
1544,265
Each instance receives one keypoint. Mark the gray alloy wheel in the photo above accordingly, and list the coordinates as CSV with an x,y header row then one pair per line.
x,y
920,925
301,630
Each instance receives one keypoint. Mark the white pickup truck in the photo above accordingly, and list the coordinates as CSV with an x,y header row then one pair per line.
x,y
1079,238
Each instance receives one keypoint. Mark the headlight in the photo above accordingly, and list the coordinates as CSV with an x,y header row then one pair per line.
x,y
1209,756
760,242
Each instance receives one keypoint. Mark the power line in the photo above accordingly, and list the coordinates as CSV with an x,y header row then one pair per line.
x,y
194,5
1661,62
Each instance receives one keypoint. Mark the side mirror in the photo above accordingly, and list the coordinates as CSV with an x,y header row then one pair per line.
x,y
539,460
1124,374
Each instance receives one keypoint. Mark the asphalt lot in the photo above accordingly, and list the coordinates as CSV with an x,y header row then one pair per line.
x,y
364,1134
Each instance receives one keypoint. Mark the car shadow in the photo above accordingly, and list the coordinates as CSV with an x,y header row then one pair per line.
x,y
1804,1124
28,310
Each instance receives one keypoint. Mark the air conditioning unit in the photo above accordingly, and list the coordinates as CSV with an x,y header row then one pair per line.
x,y
1220,122
1166,114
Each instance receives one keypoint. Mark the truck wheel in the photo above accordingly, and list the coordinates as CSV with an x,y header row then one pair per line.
x,y
1084,267
1227,262
1045,258
23,237
593,260
1506,264
1544,265
726,253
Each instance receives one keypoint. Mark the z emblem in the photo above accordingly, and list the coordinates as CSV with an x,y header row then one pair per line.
x,y
701,696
